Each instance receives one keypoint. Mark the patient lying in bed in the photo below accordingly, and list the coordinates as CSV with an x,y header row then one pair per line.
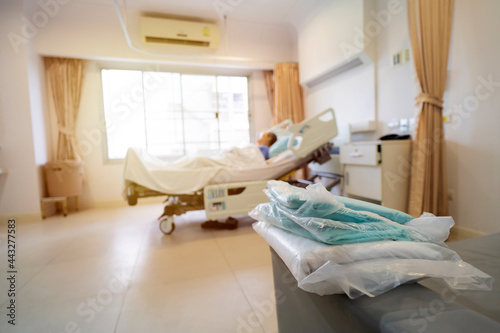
x,y
265,142
191,173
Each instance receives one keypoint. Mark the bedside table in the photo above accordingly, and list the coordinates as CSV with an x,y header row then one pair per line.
x,y
378,171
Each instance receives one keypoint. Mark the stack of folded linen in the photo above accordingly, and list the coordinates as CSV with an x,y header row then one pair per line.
x,y
338,245
315,213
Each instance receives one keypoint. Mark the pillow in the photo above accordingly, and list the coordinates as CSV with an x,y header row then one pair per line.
x,y
280,146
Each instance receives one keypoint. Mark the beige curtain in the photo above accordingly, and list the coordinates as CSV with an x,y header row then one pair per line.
x,y
269,79
430,30
65,79
289,103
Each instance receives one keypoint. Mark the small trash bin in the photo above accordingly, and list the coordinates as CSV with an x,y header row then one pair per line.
x,y
64,178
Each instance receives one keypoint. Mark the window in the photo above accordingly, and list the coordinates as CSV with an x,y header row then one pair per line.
x,y
174,114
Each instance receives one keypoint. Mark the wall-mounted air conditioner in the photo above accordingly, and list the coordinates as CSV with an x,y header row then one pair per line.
x,y
164,31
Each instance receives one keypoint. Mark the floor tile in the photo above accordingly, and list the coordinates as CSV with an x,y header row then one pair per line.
x,y
209,304
113,270
95,313
72,280
258,287
244,249
180,262
23,276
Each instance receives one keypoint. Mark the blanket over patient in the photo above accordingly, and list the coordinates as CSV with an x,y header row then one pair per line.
x,y
189,173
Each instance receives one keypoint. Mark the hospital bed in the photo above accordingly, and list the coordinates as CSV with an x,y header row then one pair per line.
x,y
228,191
329,173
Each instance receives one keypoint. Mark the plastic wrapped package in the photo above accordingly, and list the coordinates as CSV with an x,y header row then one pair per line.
x,y
294,197
427,228
315,213
368,268
335,245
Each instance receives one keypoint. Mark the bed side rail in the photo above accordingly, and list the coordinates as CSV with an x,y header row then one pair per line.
x,y
312,133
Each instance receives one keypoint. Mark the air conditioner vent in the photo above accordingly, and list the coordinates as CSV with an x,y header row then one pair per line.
x,y
177,32
160,40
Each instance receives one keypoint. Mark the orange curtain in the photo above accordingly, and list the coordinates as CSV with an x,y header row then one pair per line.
x,y
430,31
289,101
65,79
269,79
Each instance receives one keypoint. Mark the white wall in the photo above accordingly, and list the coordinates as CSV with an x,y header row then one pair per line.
x,y
327,40
320,38
473,139
19,189
473,136
395,86
351,95
39,119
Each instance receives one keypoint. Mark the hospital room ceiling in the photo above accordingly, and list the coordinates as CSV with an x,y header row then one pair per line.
x,y
275,12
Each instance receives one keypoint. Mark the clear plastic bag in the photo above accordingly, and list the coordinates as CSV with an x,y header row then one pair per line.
x,y
368,268
294,197
331,248
315,213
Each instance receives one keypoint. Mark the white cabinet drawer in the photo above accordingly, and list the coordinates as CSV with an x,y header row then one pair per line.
x,y
360,154
363,181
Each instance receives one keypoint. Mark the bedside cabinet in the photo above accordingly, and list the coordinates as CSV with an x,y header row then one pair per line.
x,y
378,171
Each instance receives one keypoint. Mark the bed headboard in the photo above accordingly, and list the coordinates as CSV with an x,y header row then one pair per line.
x,y
282,128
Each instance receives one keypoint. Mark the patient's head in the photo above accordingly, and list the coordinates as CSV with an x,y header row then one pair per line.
x,y
267,139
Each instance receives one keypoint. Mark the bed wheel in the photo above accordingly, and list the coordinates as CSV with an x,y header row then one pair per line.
x,y
132,199
167,225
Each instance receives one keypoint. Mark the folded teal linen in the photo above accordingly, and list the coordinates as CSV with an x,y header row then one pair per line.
x,y
331,231
329,206
317,214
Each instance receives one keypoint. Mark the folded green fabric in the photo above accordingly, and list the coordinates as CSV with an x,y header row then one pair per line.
x,y
317,214
316,201
391,214
331,231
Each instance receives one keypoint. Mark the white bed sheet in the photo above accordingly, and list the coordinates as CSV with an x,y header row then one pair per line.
x,y
190,174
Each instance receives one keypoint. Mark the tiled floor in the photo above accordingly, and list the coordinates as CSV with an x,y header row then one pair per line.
x,y
112,270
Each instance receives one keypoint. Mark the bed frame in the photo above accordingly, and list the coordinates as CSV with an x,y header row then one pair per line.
x,y
309,140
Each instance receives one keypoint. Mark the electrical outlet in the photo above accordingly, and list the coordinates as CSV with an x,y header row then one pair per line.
x,y
406,56
447,118
411,126
396,59
403,125
400,57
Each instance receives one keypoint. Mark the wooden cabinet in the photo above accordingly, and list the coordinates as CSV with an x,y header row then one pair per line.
x,y
378,171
